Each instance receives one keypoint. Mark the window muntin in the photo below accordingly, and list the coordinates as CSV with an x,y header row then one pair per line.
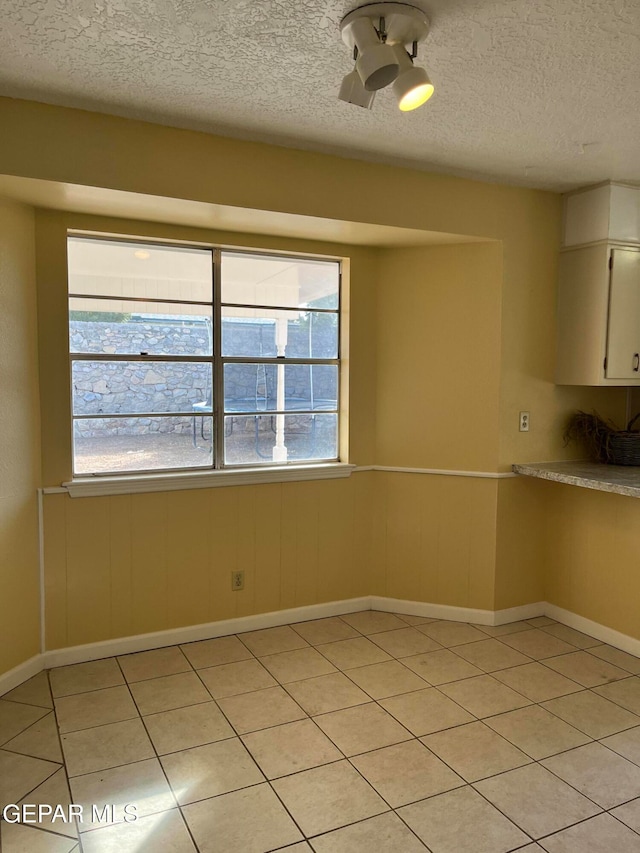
x,y
166,375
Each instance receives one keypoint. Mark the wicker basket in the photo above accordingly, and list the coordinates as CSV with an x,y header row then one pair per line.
x,y
605,442
622,447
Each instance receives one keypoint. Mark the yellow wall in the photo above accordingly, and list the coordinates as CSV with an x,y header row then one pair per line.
x,y
592,555
520,543
480,339
462,348
434,539
19,440
99,150
528,353
438,350
131,564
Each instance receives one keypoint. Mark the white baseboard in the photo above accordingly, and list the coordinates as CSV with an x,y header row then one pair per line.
x,y
159,639
516,614
207,631
458,614
432,611
594,629
20,673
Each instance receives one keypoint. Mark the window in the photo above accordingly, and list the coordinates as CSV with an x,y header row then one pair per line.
x,y
199,358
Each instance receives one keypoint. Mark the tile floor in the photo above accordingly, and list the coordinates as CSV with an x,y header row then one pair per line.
x,y
368,733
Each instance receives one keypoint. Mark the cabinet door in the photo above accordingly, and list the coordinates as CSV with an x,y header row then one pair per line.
x,y
623,332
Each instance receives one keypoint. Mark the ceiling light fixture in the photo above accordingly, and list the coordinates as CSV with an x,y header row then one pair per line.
x,y
378,34
412,86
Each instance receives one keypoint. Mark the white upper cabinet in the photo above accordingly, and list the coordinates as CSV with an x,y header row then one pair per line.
x,y
599,288
623,330
608,212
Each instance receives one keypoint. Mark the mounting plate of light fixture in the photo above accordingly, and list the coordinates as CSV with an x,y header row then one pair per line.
x,y
378,34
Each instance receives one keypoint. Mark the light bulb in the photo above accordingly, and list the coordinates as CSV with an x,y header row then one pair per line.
x,y
416,97
412,86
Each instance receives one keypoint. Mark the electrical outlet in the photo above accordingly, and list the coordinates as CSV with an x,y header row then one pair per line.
x,y
525,420
237,580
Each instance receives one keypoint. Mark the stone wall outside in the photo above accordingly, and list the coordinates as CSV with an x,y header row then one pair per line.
x,y
126,388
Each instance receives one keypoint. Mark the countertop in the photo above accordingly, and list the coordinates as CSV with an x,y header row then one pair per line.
x,y
619,479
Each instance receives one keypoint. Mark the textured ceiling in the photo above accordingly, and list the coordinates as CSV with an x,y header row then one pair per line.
x,y
541,93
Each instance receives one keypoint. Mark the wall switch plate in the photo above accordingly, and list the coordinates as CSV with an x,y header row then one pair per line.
x,y
237,580
525,419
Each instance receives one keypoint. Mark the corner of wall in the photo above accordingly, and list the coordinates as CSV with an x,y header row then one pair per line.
x,y
20,447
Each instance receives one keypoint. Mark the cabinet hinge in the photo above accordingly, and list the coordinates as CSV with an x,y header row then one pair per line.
x,y
611,261
605,364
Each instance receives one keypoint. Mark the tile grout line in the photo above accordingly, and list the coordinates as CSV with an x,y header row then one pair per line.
x,y
428,685
66,771
344,758
538,762
267,781
582,688
377,702
60,766
157,758
535,761
412,738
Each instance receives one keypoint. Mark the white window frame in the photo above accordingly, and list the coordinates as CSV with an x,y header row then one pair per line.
x,y
218,473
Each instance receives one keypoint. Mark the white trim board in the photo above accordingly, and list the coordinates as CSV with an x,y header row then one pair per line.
x,y
209,630
447,472
21,673
141,483
456,614
160,639
192,633
594,629
41,566
206,631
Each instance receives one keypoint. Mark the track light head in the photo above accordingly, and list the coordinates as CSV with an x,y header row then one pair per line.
x,y
412,87
353,92
377,67
377,63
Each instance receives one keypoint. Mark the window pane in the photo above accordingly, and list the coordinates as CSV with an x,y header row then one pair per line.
x,y
113,445
140,270
156,328
129,387
254,387
285,282
253,439
257,332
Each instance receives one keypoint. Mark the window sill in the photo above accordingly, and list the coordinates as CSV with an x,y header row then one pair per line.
x,y
130,485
